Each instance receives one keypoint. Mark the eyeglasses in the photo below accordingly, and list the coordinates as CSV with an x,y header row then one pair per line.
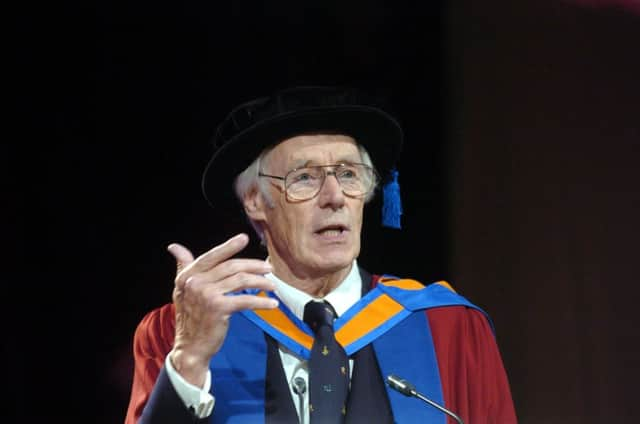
x,y
355,179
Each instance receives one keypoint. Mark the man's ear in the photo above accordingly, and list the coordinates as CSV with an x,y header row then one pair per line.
x,y
254,204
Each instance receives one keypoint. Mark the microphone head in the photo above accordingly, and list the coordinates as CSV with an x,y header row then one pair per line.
x,y
401,385
299,386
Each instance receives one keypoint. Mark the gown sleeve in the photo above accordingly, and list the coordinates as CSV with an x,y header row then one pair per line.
x,y
474,382
152,341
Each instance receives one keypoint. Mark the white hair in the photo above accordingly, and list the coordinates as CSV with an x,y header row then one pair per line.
x,y
249,179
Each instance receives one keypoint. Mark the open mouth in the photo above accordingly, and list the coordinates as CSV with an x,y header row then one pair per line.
x,y
332,230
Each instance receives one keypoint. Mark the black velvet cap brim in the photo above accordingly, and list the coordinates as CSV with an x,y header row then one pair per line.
x,y
371,127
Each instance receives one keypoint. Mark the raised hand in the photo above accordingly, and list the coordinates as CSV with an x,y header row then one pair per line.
x,y
203,302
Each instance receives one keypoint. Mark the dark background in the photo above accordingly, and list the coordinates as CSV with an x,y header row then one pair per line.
x,y
519,177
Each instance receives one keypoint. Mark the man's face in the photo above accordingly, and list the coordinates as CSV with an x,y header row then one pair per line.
x,y
319,236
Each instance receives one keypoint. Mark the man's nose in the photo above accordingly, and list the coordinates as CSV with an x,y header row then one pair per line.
x,y
331,194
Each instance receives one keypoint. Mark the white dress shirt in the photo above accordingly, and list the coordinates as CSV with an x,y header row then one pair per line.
x,y
341,298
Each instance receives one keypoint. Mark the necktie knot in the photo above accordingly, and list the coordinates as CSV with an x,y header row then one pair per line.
x,y
319,314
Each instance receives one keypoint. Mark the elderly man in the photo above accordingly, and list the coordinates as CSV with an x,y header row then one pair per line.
x,y
306,335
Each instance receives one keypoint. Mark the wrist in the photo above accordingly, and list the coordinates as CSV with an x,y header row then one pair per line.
x,y
192,368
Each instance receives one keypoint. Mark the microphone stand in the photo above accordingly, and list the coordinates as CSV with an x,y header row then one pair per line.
x,y
407,389
300,388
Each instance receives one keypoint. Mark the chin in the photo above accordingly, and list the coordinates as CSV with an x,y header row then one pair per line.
x,y
334,261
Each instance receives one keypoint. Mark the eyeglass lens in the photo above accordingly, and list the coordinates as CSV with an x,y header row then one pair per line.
x,y
304,183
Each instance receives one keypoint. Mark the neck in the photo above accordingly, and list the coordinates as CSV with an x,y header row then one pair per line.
x,y
315,283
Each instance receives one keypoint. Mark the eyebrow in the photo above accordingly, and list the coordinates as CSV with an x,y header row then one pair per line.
x,y
302,163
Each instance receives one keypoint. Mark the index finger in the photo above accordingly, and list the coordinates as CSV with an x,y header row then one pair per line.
x,y
220,253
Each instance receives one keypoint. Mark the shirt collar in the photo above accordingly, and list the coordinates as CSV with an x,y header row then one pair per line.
x,y
341,298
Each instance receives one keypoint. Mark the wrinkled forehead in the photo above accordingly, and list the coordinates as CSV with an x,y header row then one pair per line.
x,y
315,149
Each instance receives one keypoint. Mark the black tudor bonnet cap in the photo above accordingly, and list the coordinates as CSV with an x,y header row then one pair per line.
x,y
257,124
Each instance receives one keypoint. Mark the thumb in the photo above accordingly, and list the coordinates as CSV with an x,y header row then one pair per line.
x,y
182,255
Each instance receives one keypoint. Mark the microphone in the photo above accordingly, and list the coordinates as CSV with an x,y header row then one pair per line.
x,y
407,389
299,387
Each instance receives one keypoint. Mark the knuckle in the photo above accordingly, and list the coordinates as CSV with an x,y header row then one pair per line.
x,y
214,301
182,275
243,278
176,296
180,280
192,284
233,266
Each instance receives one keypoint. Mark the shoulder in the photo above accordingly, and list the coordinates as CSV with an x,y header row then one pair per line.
x,y
460,319
444,306
155,331
158,319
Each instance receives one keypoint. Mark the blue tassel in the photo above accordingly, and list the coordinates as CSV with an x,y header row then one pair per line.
x,y
391,205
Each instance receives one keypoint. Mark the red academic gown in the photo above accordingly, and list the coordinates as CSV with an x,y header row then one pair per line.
x,y
462,338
